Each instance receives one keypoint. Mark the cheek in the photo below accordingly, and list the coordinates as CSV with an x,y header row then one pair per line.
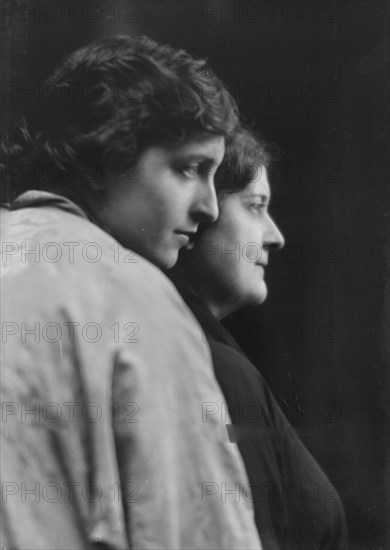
x,y
234,233
246,277
158,192
169,209
229,275
157,215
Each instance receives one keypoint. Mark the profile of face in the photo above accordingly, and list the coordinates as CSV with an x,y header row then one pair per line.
x,y
228,262
156,209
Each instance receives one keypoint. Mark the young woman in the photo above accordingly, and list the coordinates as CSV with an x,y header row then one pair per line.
x,y
103,377
224,270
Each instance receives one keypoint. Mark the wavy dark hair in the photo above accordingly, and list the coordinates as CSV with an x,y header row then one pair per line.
x,y
246,154
105,104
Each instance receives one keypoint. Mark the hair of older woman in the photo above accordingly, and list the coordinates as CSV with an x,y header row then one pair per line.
x,y
105,104
246,155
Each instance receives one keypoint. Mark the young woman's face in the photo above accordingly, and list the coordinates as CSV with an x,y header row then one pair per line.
x,y
230,257
155,210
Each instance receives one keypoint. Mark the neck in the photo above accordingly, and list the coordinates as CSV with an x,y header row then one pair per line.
x,y
91,204
219,306
220,309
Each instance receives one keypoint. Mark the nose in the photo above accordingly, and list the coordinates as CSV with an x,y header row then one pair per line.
x,y
205,206
273,236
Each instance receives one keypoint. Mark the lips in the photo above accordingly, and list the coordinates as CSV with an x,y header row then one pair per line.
x,y
188,234
183,232
263,260
184,236
187,237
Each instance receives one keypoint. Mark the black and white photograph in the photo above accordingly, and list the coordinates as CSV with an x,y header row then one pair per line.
x,y
195,349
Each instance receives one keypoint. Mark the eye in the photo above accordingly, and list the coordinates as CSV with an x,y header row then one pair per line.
x,y
191,171
257,206
200,170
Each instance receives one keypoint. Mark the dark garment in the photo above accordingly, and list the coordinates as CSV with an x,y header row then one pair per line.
x,y
296,507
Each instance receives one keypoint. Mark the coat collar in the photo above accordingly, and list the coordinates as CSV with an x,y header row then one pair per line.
x,y
35,198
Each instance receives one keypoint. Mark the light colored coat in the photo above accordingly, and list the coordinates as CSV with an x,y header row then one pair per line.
x,y
105,382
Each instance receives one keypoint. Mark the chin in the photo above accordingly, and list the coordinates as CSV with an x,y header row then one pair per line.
x,y
258,296
168,260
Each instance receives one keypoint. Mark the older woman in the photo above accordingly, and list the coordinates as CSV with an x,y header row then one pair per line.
x,y
220,272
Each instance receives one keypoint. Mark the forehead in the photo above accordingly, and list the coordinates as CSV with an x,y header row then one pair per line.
x,y
202,147
259,184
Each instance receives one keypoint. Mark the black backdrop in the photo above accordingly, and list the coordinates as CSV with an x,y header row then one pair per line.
x,y
313,76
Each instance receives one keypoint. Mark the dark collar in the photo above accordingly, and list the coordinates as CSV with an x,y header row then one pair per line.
x,y
213,328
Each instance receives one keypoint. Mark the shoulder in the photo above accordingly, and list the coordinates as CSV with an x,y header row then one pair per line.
x,y
55,258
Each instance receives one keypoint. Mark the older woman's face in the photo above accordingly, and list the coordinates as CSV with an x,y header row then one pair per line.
x,y
232,254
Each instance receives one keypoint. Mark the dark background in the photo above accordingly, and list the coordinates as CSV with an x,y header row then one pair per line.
x,y
313,76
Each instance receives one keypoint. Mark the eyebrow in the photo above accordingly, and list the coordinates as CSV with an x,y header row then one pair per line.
x,y
200,157
265,198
